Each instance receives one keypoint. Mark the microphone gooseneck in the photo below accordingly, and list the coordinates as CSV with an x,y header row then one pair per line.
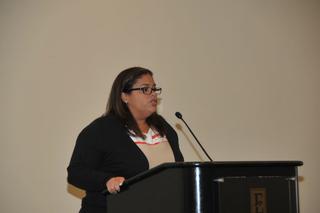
x,y
179,115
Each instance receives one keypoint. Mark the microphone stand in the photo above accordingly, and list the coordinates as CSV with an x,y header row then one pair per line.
x,y
179,115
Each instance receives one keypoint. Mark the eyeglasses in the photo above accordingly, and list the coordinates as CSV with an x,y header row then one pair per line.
x,y
147,90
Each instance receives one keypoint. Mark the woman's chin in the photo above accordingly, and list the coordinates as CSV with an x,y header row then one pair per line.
x,y
152,110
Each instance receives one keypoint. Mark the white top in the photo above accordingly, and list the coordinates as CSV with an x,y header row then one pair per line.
x,y
156,148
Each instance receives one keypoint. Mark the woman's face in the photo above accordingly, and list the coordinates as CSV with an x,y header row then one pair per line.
x,y
141,105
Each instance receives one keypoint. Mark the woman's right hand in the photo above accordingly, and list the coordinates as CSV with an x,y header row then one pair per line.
x,y
113,184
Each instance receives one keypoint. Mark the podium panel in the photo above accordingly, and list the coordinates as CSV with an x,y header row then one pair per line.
x,y
256,195
218,187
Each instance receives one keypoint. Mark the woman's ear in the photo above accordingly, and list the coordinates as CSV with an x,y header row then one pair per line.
x,y
124,97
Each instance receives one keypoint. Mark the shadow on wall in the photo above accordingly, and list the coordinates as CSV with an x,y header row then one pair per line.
x,y
180,128
76,192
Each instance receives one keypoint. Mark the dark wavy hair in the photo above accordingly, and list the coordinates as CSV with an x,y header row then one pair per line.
x,y
115,106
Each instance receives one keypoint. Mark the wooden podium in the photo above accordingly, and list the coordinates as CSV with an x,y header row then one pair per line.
x,y
211,187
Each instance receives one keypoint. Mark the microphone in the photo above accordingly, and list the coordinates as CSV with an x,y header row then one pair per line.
x,y
179,115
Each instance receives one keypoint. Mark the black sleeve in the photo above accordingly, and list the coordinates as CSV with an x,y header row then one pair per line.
x,y
83,170
176,149
174,141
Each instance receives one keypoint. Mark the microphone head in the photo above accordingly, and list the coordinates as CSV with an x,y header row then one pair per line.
x,y
178,115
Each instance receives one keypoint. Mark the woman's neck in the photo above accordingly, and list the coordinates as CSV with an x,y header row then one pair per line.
x,y
143,125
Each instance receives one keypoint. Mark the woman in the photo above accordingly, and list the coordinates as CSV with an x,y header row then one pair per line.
x,y
128,139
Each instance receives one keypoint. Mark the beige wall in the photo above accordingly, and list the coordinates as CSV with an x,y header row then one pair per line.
x,y
245,74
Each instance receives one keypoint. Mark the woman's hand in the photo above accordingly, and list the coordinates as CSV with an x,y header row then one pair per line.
x,y
113,184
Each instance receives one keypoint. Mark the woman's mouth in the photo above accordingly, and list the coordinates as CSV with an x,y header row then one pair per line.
x,y
154,102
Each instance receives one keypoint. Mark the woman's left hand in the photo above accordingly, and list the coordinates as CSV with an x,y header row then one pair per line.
x,y
113,184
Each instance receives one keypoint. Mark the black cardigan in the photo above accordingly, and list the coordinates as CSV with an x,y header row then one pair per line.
x,y
104,150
